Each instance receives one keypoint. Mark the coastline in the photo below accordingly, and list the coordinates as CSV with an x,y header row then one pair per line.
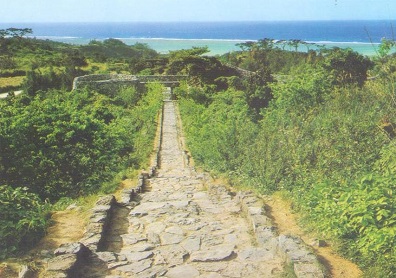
x,y
220,37
216,46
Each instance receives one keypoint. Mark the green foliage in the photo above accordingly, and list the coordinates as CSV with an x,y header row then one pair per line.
x,y
10,35
385,47
20,53
7,62
258,92
217,134
56,144
361,214
279,57
144,117
304,90
139,128
346,66
65,145
68,143
38,81
266,56
208,75
23,219
15,32
73,59
326,136
322,132
203,70
54,65
117,51
12,73
128,96
8,89
201,95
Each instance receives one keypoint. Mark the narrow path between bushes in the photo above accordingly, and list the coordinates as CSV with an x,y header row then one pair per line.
x,y
186,225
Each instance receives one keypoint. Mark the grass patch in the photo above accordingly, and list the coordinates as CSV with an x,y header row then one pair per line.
x,y
11,81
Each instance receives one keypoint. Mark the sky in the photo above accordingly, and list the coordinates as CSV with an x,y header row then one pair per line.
x,y
193,10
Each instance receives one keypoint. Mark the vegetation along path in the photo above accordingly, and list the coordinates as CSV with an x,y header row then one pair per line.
x,y
185,226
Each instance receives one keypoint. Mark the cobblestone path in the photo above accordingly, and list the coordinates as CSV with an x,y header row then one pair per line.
x,y
184,227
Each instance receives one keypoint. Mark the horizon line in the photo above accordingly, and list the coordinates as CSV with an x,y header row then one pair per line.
x,y
197,21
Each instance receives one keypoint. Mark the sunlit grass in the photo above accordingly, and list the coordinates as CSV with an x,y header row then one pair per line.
x,y
11,81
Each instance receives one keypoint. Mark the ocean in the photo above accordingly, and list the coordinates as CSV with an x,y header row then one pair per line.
x,y
220,37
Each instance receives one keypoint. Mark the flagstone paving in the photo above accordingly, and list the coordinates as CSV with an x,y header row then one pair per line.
x,y
186,227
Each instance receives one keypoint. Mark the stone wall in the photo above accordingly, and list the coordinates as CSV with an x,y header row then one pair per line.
x,y
105,83
162,78
242,72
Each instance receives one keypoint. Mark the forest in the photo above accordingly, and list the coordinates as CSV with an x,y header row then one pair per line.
x,y
317,125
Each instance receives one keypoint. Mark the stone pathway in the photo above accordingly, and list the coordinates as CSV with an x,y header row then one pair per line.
x,y
184,227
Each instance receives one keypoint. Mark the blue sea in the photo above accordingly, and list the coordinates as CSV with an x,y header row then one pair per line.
x,y
220,37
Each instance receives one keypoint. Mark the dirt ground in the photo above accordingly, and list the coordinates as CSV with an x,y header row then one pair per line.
x,y
68,226
286,221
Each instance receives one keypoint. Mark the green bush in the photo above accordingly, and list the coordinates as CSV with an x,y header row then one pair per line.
x,y
331,146
346,66
127,96
58,145
8,89
12,73
218,134
144,124
68,143
23,219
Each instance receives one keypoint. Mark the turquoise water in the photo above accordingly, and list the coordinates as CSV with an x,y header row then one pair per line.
x,y
217,47
220,37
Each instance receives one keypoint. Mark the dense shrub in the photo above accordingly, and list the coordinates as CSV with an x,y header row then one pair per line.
x,y
12,73
8,89
23,219
58,144
68,143
346,66
330,144
116,50
218,134
38,81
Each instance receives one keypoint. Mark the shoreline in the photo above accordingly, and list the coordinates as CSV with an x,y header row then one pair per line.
x,y
216,46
